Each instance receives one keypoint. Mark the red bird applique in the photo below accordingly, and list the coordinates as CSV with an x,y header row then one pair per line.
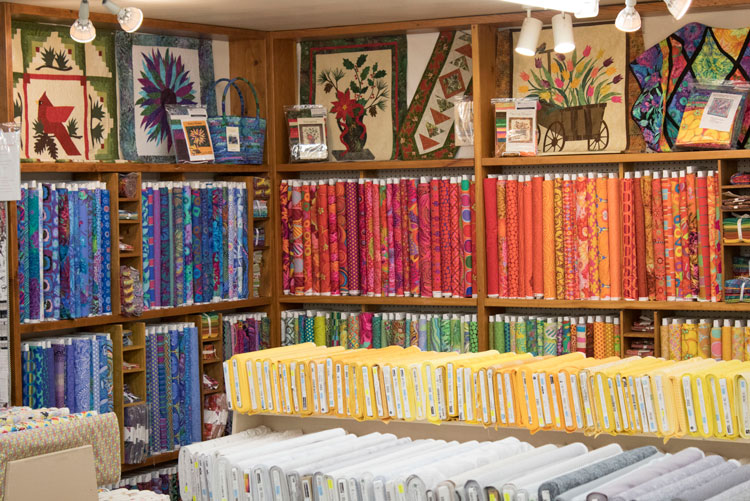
x,y
52,118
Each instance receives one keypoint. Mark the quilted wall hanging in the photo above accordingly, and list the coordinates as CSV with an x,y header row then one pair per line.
x,y
64,94
154,71
666,71
427,131
582,94
362,84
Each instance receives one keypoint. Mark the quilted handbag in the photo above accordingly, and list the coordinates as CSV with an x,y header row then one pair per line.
x,y
237,139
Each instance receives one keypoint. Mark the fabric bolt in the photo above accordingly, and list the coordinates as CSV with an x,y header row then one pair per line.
x,y
398,257
490,214
412,211
686,282
314,240
383,238
342,215
537,235
591,201
424,236
559,239
629,277
404,220
660,288
740,492
333,238
548,238
640,240
435,238
324,240
569,239
583,233
502,238
527,245
351,238
675,341
473,198
689,340
704,254
614,213
669,242
23,257
717,485
602,226
35,259
553,488
284,192
455,222
715,236
513,235
445,240
670,491
693,237
369,242
648,224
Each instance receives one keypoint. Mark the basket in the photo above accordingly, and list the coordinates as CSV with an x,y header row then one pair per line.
x,y
237,139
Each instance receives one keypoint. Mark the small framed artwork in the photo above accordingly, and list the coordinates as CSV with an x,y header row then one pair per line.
x,y
198,140
313,143
311,133
521,129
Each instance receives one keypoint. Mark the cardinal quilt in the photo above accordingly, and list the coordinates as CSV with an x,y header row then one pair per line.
x,y
64,94
154,71
362,84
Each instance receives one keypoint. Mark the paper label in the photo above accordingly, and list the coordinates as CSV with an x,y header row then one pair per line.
x,y
237,393
440,394
491,396
623,403
728,421
634,404
404,393
388,391
287,394
542,382
468,394
329,378
314,386
743,406
449,384
662,405
702,404
355,391
649,400
276,481
227,386
509,399
720,111
261,387
460,388
641,405
555,403
347,400
430,392
586,400
565,400
397,394
717,412
526,398
417,392
538,400
576,401
366,385
378,396
260,491
339,391
483,397
322,389
233,138
276,391
602,402
267,377
687,391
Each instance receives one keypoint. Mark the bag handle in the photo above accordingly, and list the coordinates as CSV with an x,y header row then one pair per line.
x,y
224,97
255,95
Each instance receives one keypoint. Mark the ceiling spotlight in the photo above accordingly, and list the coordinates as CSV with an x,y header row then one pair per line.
x,y
628,19
83,30
130,18
677,8
586,9
529,37
562,32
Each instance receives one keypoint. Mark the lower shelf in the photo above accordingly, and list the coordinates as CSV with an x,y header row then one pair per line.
x,y
152,461
737,449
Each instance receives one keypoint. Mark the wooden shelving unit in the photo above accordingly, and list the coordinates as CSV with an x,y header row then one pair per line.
x,y
269,60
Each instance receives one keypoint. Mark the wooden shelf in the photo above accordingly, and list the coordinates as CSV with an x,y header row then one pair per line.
x,y
44,167
396,301
260,219
133,347
213,361
133,404
79,323
153,461
735,186
616,158
211,392
616,305
649,335
261,247
126,255
128,200
133,371
375,165
128,221
736,244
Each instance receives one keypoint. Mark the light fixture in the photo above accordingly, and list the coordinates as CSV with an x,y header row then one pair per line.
x,y
677,8
628,19
83,30
581,8
529,36
130,18
562,32
586,9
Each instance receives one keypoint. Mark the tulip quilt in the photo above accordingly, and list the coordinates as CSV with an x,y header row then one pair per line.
x,y
581,94
64,94
155,71
362,84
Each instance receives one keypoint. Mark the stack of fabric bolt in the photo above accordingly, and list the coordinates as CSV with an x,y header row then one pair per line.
x,y
648,236
428,331
195,243
172,386
596,336
379,237
720,339
64,251
71,371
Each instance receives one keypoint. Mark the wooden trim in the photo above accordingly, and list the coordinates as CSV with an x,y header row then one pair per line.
x,y
618,305
45,167
375,165
605,158
24,12
393,301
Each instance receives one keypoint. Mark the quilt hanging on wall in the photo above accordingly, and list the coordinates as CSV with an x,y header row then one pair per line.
x,y
581,93
154,71
362,84
666,71
427,131
64,94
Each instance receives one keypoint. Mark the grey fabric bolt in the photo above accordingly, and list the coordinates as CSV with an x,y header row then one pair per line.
x,y
717,485
580,492
676,475
739,492
668,492
665,465
553,488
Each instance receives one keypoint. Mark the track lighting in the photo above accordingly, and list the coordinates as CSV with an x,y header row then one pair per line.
x,y
677,8
628,19
83,30
130,18
580,8
562,32
529,37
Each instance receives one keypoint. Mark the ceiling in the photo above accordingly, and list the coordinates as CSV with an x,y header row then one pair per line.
x,y
294,14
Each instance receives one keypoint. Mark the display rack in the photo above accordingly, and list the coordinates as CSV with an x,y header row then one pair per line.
x,y
269,60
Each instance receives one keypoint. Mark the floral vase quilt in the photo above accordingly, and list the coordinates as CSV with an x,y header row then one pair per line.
x,y
362,84
64,94
155,71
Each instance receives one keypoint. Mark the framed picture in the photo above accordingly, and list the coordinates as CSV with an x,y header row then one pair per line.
x,y
313,143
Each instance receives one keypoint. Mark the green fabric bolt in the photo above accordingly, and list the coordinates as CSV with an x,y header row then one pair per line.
x,y
465,334
445,333
540,323
521,337
531,336
377,323
457,339
414,331
550,338
343,330
498,337
473,336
